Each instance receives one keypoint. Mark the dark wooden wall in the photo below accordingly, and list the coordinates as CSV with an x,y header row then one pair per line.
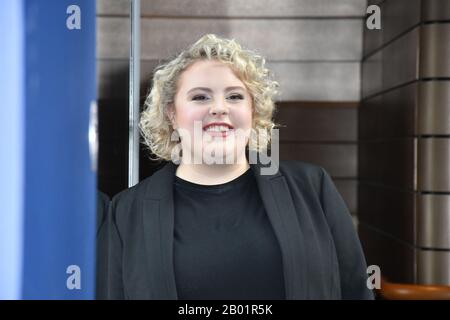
x,y
404,145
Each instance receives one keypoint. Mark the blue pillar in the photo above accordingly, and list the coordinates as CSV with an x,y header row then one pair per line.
x,y
12,147
50,185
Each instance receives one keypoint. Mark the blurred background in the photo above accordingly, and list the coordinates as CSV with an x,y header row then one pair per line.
x,y
372,106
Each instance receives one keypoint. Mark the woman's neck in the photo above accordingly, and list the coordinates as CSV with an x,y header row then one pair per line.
x,y
211,174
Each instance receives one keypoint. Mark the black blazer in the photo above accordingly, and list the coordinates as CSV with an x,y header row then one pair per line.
x,y
322,255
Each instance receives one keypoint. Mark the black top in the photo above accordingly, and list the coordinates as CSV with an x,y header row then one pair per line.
x,y
224,244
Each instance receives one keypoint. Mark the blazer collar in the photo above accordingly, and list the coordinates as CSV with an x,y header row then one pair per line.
x,y
157,210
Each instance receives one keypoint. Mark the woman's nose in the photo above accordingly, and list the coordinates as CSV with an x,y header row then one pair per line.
x,y
219,107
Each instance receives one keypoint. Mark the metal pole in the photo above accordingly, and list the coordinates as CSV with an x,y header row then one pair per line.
x,y
133,115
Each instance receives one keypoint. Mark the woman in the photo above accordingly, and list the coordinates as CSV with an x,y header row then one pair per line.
x,y
210,224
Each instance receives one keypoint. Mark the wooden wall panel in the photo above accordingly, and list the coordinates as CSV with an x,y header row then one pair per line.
x,y
238,8
404,163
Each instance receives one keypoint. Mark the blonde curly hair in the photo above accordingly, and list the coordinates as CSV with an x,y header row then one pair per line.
x,y
249,67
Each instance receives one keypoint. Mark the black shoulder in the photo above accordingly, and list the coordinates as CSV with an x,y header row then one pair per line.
x,y
123,204
303,173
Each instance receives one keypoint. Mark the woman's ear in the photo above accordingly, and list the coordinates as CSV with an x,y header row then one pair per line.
x,y
170,113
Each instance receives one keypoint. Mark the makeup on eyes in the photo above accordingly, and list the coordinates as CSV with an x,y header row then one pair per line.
x,y
235,96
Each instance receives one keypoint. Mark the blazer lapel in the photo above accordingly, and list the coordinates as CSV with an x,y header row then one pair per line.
x,y
157,210
279,206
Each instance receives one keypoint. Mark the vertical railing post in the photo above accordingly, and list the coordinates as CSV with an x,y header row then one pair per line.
x,y
134,100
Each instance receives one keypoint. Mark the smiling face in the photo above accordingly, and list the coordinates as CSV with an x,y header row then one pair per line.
x,y
213,112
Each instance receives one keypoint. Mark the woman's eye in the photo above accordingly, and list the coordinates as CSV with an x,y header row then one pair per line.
x,y
237,97
204,98
199,98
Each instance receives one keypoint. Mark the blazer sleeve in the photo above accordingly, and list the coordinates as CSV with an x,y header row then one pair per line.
x,y
115,287
351,260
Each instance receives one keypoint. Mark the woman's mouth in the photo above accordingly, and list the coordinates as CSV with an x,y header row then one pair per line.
x,y
219,131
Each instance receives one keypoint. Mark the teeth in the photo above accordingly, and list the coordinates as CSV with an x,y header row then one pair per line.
x,y
218,128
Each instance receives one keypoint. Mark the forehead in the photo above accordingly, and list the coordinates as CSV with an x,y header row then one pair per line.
x,y
208,73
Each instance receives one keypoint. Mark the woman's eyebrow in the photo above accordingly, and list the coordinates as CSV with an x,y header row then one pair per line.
x,y
209,89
